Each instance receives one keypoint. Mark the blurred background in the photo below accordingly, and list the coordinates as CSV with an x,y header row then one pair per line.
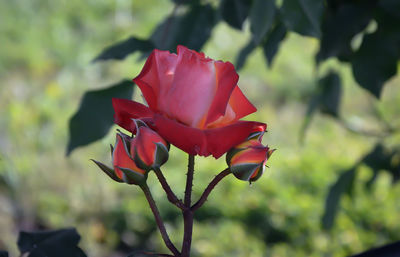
x,y
330,187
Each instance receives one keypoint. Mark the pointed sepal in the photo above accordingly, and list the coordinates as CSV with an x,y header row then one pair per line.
x,y
245,171
132,177
110,172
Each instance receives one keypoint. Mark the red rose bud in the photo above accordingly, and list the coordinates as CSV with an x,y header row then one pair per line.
x,y
247,160
150,149
125,169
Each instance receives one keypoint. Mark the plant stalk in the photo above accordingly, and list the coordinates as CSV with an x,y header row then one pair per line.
x,y
159,220
209,188
187,212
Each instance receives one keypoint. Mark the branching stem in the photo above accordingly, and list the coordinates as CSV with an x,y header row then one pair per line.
x,y
209,188
159,220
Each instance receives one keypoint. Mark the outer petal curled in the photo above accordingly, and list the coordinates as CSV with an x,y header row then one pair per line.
x,y
215,141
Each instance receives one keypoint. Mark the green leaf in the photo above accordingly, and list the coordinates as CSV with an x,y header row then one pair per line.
x,y
94,117
339,28
391,6
61,243
262,15
273,41
244,53
122,49
191,29
375,62
343,185
330,94
380,159
326,99
303,16
235,12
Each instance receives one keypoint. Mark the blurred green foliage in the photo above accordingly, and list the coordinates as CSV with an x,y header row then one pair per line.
x,y
45,68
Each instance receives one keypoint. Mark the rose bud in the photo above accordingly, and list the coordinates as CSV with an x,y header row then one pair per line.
x,y
149,149
247,160
125,169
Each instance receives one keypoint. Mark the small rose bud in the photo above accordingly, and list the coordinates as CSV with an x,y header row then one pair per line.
x,y
247,160
125,169
149,149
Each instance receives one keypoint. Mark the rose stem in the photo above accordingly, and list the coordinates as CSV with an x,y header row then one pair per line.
x,y
170,194
209,188
159,221
187,212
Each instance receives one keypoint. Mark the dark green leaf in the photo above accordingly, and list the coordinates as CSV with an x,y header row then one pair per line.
x,y
272,44
244,53
339,28
380,159
60,243
122,49
330,94
235,12
389,250
191,29
94,117
343,185
303,16
376,60
326,99
262,15
391,6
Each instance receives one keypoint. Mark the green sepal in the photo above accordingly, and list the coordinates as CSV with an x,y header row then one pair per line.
x,y
133,177
259,174
139,123
138,161
161,155
112,150
256,135
110,172
127,144
244,171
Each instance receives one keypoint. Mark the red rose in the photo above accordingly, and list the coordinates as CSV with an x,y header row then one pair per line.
x,y
193,102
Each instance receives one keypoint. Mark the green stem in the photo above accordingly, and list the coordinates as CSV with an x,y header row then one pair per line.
x,y
159,220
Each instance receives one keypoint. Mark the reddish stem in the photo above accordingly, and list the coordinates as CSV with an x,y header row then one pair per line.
x,y
159,220
187,212
209,188
170,194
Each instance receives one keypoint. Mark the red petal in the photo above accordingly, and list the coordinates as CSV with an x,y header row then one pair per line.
x,y
156,76
227,79
220,140
240,104
122,159
192,90
126,110
207,142
145,144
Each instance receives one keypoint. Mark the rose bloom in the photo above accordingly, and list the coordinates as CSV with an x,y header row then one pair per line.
x,y
193,102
